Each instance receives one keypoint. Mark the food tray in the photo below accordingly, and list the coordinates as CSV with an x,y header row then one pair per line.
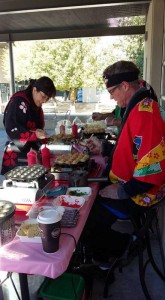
x,y
94,127
26,239
27,173
72,159
63,137
70,218
84,192
69,201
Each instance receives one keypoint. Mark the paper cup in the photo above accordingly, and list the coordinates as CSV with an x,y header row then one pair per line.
x,y
49,224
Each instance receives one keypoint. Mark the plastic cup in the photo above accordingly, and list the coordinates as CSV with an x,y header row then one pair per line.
x,y
50,229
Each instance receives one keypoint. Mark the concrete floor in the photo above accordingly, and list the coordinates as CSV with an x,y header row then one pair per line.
x,y
125,287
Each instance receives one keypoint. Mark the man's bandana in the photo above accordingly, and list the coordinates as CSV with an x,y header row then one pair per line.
x,y
115,79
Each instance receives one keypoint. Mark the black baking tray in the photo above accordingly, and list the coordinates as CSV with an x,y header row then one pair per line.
x,y
27,173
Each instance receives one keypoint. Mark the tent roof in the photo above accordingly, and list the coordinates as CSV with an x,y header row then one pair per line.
x,y
52,19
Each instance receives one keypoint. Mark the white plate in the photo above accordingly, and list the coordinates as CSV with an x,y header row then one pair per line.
x,y
84,192
69,201
26,239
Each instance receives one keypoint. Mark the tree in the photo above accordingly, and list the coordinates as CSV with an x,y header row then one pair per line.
x,y
75,63
134,45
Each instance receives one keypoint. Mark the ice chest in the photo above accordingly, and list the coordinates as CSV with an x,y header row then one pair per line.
x,y
68,286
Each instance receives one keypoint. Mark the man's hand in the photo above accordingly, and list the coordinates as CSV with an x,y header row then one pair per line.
x,y
96,116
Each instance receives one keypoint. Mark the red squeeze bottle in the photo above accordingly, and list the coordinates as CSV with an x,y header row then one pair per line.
x,y
45,152
74,130
62,129
32,157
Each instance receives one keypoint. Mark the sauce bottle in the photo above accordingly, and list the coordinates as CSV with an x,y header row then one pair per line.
x,y
62,129
45,152
32,157
74,131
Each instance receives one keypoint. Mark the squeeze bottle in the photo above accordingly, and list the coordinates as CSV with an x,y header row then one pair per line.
x,y
45,152
62,129
32,157
74,130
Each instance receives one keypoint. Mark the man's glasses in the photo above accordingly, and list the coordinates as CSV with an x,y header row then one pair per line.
x,y
113,89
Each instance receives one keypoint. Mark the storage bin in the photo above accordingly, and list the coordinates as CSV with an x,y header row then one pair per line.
x,y
68,286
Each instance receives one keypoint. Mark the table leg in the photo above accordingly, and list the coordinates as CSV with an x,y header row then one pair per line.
x,y
24,286
1,293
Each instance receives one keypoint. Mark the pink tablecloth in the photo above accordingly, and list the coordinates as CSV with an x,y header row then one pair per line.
x,y
29,258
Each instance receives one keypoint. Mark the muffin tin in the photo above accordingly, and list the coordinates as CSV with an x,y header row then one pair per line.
x,y
27,173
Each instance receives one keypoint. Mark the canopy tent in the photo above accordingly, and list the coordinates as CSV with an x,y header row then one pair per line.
x,y
52,19
57,19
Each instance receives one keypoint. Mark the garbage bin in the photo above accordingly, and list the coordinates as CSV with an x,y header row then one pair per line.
x,y
79,95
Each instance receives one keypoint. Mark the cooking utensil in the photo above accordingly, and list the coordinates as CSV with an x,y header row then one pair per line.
x,y
7,223
79,178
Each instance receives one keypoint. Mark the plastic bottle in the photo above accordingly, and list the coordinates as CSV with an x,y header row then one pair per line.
x,y
45,152
74,130
32,157
62,129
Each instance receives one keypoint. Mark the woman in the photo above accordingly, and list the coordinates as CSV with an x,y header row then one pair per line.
x,y
24,122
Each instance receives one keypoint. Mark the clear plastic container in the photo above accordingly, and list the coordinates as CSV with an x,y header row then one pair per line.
x,y
77,121
89,120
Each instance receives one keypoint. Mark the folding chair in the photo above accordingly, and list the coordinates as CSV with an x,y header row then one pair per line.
x,y
142,227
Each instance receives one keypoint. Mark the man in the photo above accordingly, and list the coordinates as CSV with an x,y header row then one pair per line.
x,y
111,119
136,167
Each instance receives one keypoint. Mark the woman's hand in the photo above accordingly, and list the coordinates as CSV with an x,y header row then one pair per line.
x,y
41,134
110,191
94,145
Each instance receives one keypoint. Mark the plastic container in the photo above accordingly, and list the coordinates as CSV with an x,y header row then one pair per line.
x,y
24,238
84,192
78,122
68,286
68,201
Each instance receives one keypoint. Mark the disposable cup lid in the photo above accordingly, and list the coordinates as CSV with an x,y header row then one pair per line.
x,y
49,216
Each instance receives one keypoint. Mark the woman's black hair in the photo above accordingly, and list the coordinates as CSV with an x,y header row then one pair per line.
x,y
43,84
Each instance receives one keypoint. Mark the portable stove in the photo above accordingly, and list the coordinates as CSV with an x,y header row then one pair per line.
x,y
26,184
